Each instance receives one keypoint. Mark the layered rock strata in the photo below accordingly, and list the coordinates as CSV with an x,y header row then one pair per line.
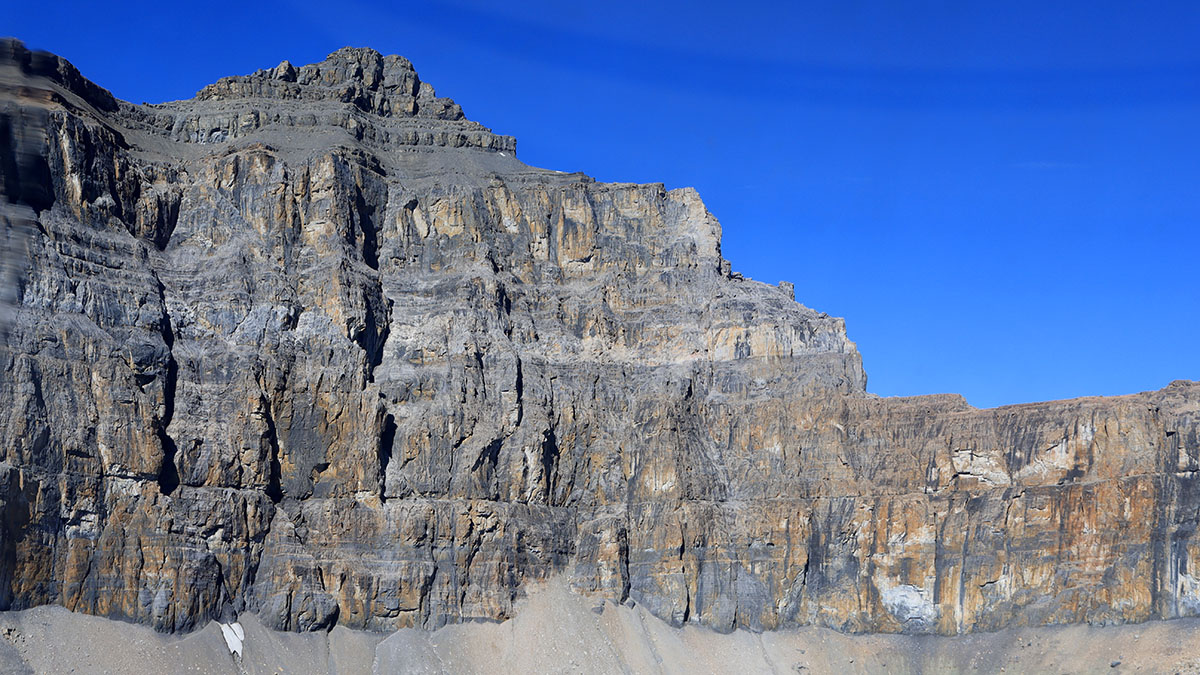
x,y
313,345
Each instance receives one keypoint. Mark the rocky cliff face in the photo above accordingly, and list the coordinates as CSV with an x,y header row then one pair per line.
x,y
315,346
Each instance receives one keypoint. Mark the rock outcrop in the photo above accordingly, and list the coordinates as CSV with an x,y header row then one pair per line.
x,y
313,345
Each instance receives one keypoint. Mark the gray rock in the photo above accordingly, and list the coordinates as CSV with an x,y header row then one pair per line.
x,y
315,346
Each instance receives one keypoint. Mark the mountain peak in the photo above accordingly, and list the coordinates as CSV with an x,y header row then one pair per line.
x,y
382,85
379,100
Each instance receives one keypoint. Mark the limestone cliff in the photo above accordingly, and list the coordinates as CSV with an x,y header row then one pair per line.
x,y
313,345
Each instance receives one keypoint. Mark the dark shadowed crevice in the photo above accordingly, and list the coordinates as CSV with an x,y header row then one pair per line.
x,y
168,473
489,456
366,223
274,488
811,573
387,437
623,556
504,307
167,219
372,338
549,460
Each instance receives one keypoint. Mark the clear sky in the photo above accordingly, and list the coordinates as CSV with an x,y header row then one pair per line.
x,y
1002,198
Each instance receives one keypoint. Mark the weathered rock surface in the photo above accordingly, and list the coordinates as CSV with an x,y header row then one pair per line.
x,y
314,346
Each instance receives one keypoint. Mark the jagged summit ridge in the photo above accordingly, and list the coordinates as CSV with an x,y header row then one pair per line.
x,y
381,85
376,100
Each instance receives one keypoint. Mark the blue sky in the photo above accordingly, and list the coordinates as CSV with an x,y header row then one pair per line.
x,y
1002,198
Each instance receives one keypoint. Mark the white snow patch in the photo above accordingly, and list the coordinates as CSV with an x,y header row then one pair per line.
x,y
234,637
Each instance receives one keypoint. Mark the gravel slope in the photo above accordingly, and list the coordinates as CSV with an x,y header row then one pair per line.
x,y
557,631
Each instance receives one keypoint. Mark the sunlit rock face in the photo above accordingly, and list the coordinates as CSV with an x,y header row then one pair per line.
x,y
313,345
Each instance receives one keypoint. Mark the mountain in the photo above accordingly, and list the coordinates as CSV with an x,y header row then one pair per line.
x,y
314,346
